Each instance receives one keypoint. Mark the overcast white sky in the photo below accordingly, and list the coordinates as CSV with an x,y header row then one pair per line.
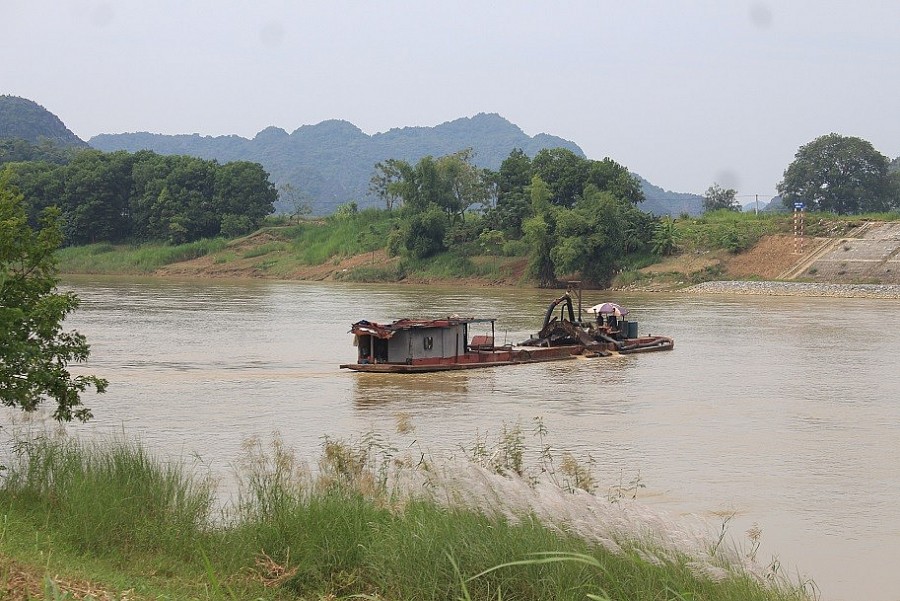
x,y
684,93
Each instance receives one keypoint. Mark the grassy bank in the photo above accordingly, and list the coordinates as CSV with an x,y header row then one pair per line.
x,y
139,259
352,248
113,521
349,248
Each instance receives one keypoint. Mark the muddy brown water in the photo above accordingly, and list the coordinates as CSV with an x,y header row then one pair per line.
x,y
784,412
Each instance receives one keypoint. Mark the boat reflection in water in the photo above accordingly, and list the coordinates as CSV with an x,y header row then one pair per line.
x,y
450,343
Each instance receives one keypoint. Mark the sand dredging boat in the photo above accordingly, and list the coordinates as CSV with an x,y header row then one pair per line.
x,y
452,343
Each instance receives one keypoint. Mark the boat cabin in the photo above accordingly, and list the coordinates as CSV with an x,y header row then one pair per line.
x,y
409,341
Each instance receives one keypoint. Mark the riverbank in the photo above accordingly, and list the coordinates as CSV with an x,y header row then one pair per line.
x,y
766,268
770,288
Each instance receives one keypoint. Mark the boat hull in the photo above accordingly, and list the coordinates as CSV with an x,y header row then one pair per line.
x,y
517,356
474,360
647,344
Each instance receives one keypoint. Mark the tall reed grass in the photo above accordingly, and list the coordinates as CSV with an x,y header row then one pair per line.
x,y
108,498
366,521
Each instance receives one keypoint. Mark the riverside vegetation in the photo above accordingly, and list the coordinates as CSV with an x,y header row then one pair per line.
x,y
537,220
107,520
350,246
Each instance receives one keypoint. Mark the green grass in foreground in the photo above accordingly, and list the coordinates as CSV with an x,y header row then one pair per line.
x,y
113,516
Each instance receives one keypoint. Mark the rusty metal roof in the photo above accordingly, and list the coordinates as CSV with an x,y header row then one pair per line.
x,y
385,331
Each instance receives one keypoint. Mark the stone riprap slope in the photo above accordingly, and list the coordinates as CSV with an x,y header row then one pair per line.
x,y
799,289
872,253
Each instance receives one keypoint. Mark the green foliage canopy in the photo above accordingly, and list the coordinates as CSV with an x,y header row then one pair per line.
x,y
436,194
114,197
16,150
717,198
34,349
574,215
839,174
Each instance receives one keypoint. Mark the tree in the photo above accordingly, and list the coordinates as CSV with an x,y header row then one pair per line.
x,y
564,172
34,349
97,190
717,197
590,237
839,174
894,183
463,183
423,233
387,181
243,188
513,202
609,176
539,232
665,238
297,202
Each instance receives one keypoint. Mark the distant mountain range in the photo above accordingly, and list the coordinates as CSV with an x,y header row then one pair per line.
x,y
329,163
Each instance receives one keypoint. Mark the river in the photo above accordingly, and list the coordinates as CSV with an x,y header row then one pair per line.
x,y
781,411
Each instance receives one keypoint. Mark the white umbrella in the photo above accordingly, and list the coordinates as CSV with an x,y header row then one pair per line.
x,y
606,308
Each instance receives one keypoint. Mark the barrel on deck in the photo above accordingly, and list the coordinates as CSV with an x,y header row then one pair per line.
x,y
632,330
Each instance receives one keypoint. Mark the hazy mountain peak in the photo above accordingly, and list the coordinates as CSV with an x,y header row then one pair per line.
x,y
337,127
25,119
270,133
332,162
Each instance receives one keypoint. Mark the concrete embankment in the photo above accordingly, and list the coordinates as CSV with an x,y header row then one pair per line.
x,y
799,289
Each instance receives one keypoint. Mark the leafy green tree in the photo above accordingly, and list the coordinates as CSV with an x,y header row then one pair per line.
x,y
609,176
243,188
513,199
235,225
894,183
14,150
119,196
436,195
515,172
840,174
96,197
191,184
639,228
423,233
491,182
590,237
387,182
152,207
665,238
464,184
423,187
491,242
716,197
539,232
40,183
564,172
894,189
34,350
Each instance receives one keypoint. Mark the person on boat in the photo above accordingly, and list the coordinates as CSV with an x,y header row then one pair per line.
x,y
613,322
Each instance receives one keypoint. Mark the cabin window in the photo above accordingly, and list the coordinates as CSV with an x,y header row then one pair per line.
x,y
428,343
